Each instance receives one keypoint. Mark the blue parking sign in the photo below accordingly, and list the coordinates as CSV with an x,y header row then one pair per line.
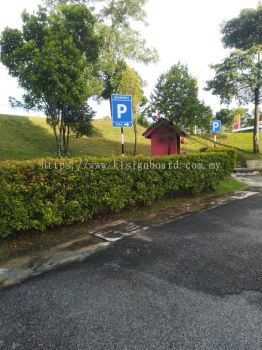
x,y
122,111
216,126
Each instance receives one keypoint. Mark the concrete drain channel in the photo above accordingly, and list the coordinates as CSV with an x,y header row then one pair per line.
x,y
118,231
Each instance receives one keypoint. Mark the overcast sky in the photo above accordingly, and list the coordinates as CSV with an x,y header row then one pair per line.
x,y
181,30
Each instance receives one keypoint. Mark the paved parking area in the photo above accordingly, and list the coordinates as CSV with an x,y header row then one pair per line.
x,y
193,283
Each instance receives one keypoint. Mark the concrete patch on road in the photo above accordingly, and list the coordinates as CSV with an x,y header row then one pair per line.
x,y
2,271
243,194
118,230
254,182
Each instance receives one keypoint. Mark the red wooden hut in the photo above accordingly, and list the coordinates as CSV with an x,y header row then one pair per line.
x,y
165,138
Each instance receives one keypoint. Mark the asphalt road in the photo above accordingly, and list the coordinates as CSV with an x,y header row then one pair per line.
x,y
194,283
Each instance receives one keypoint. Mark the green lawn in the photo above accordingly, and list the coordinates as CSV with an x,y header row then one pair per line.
x,y
230,185
30,137
241,142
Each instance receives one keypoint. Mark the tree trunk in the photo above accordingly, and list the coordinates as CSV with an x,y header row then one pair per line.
x,y
110,102
64,141
60,138
256,112
56,139
135,131
60,148
67,139
256,123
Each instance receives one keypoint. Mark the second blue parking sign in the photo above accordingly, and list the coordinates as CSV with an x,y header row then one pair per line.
x,y
216,126
122,111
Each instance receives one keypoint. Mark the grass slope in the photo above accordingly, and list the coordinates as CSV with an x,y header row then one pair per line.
x,y
242,143
30,137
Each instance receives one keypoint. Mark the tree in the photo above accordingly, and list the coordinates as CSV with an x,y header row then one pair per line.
x,y
53,57
111,78
245,34
143,120
244,31
176,98
239,76
247,119
78,120
131,84
227,115
120,42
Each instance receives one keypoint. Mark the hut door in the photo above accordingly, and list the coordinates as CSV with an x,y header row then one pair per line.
x,y
169,149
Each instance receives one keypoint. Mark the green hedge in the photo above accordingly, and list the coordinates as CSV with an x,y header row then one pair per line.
x,y
45,193
240,155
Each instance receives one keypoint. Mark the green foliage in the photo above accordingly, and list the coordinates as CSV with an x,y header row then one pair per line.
x,y
239,77
240,142
125,43
79,120
176,97
121,12
247,119
227,116
118,12
54,57
143,121
239,110
120,41
131,83
230,185
111,77
232,152
44,193
244,31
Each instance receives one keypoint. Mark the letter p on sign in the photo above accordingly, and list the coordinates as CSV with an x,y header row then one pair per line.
x,y
121,109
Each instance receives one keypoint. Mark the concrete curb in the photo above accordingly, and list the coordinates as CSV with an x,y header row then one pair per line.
x,y
18,270
247,171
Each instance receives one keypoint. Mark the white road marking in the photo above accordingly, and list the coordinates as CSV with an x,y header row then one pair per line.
x,y
117,232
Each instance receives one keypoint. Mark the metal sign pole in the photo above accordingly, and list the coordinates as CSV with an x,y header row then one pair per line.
x,y
215,140
122,140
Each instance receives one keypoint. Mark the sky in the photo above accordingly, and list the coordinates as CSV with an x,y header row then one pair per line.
x,y
181,30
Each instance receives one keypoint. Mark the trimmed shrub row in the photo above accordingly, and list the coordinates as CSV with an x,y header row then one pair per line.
x,y
39,194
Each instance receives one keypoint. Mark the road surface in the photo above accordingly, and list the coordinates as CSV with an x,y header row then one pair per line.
x,y
194,283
